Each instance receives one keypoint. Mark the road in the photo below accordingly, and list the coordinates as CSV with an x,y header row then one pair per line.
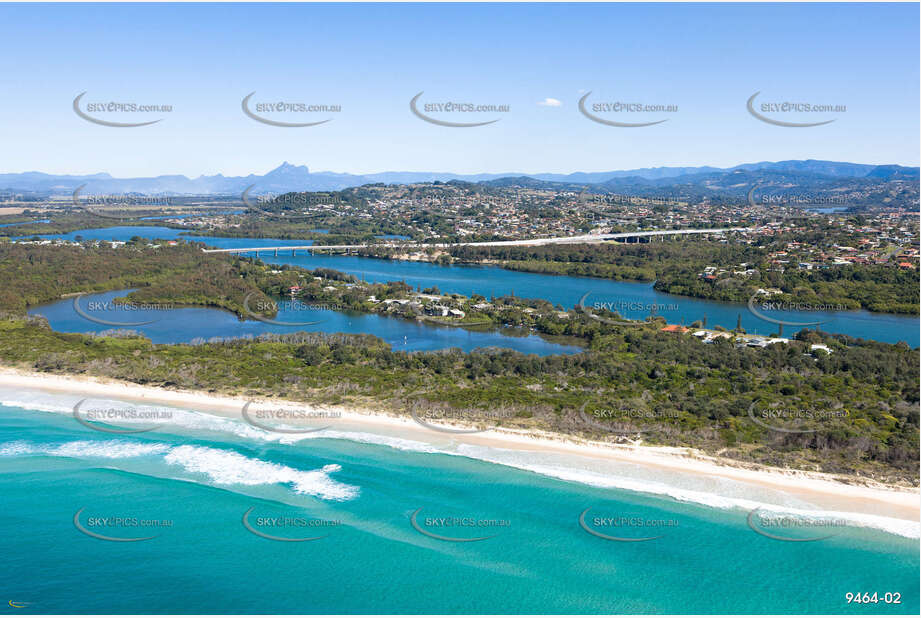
x,y
586,238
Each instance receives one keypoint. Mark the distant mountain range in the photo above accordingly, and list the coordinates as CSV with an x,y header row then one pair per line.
x,y
287,177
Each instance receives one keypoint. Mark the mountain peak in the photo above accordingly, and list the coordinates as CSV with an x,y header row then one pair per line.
x,y
288,168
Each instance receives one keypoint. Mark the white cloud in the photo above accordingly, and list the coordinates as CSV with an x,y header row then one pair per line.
x,y
548,102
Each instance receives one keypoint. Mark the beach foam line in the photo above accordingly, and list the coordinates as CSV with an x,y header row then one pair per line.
x,y
176,417
220,466
892,525
363,437
194,420
899,527
203,421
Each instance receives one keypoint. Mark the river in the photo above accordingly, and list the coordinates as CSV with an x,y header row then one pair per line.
x,y
630,299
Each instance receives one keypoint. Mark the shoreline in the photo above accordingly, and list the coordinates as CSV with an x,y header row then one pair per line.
x,y
826,491
496,263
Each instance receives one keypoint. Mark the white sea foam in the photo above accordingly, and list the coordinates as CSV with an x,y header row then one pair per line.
x,y
36,400
230,468
102,449
171,417
505,457
16,448
708,491
400,444
108,449
179,419
220,466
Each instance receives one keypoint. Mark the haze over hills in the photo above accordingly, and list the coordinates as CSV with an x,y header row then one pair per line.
x,y
288,177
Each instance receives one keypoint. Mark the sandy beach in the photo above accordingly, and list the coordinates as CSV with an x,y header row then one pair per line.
x,y
827,491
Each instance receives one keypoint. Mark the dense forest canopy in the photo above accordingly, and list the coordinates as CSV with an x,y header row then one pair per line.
x,y
864,394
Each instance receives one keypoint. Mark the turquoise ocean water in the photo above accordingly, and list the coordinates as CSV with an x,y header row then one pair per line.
x,y
359,491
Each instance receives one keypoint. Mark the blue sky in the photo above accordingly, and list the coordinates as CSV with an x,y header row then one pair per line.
x,y
202,59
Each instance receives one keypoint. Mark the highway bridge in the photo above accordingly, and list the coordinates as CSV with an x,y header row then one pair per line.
x,y
587,238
